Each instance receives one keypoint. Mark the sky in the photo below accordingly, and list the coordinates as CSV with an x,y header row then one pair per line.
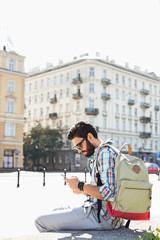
x,y
48,30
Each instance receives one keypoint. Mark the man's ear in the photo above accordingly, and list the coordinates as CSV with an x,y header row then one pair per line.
x,y
90,137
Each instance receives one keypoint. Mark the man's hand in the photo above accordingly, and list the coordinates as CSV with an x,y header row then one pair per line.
x,y
73,183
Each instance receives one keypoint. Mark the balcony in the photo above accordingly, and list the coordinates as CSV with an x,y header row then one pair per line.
x,y
77,80
156,108
131,102
105,81
77,95
145,119
53,116
144,91
53,100
145,105
92,111
105,96
145,134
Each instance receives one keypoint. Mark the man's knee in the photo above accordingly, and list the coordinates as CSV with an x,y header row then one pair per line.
x,y
40,224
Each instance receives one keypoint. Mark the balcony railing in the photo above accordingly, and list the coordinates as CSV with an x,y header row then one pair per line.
x,y
106,81
145,134
105,96
145,119
53,115
144,91
131,102
53,100
77,80
77,95
156,108
145,105
92,111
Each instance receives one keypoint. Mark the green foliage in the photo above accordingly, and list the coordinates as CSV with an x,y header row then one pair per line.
x,y
150,235
41,143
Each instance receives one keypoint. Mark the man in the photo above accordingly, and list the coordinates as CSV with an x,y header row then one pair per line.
x,y
92,215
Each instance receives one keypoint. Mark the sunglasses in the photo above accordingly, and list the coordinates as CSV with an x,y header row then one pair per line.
x,y
78,146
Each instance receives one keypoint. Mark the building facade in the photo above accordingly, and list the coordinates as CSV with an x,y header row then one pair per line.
x,y
11,110
122,103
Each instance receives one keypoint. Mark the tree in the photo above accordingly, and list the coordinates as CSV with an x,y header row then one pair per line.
x,y
41,143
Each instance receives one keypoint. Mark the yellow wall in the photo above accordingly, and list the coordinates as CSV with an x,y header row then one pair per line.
x,y
15,142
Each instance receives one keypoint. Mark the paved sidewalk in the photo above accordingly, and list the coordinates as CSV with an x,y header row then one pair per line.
x,y
136,229
20,206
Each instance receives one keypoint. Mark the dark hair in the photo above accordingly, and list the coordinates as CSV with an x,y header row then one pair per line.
x,y
81,129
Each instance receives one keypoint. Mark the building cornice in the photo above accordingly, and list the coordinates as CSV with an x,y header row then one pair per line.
x,y
7,71
114,65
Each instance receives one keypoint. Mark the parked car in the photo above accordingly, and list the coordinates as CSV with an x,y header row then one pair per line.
x,y
152,168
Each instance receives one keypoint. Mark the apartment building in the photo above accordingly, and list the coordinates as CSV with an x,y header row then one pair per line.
x,y
122,103
11,110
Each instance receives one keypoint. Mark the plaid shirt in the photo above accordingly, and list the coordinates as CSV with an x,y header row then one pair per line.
x,y
105,163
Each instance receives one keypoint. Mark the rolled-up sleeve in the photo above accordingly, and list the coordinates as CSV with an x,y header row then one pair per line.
x,y
106,164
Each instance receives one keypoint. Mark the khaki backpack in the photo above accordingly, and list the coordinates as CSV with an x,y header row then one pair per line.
x,y
133,198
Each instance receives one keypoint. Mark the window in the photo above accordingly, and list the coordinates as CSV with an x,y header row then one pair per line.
x,y
117,78
135,143
47,111
8,158
156,130
11,86
30,100
91,87
129,95
123,125
156,145
48,82
91,120
10,106
104,122
135,98
117,93
11,65
104,106
67,107
155,90
130,111
36,85
123,95
135,127
130,126
129,82
91,73
61,78
78,106
104,89
104,74
67,77
55,80
117,142
35,99
135,83
117,124
41,97
91,104
151,144
30,86
67,92
135,111
117,108
10,130
61,93
41,112
123,80
123,110
150,128
42,83
35,113
48,96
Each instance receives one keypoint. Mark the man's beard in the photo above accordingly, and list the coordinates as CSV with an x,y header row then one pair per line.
x,y
90,149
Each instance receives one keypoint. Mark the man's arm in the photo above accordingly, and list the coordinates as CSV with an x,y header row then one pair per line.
x,y
88,188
